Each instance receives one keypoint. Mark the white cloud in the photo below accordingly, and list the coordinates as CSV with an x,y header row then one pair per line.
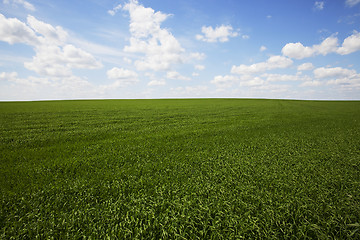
x,y
49,61
52,85
333,72
273,62
297,51
219,34
319,5
160,82
176,76
160,47
311,83
351,44
144,22
30,81
352,3
329,45
123,77
245,36
121,73
54,58
343,77
50,35
8,76
113,11
253,82
77,58
197,56
228,81
13,31
154,81
346,82
199,67
305,67
284,77
25,4
262,48
224,81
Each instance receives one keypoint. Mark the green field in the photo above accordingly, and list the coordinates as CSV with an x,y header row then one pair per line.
x,y
180,169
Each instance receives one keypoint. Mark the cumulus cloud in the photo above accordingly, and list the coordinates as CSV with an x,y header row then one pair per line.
x,y
123,77
228,81
155,81
333,72
224,81
346,82
25,4
30,81
262,48
299,51
351,44
219,34
352,3
65,85
54,57
345,78
176,76
78,58
273,62
50,35
49,61
160,47
305,67
329,45
52,60
13,31
253,82
342,77
121,73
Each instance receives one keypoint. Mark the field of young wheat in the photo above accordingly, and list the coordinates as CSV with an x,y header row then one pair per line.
x,y
180,169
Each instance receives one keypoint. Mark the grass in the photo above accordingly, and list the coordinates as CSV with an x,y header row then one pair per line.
x,y
180,169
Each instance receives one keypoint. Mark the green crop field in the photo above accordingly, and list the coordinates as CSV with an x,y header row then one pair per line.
x,y
180,169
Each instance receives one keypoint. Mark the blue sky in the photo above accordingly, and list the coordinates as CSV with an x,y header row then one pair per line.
x,y
87,49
